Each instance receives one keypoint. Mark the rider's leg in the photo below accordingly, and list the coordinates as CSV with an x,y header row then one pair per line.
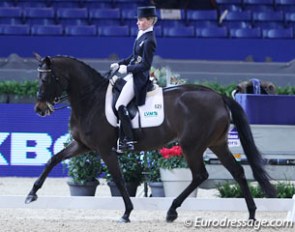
x,y
126,95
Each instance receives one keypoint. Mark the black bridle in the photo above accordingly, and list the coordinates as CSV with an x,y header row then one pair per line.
x,y
57,99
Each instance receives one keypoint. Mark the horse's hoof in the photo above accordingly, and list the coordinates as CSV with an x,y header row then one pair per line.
x,y
171,216
30,198
124,220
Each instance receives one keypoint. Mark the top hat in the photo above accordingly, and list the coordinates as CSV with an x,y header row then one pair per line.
x,y
146,11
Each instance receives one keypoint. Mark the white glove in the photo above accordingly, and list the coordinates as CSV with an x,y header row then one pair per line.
x,y
114,66
123,69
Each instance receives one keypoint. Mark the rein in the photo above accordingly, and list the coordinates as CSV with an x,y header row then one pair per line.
x,y
60,100
109,75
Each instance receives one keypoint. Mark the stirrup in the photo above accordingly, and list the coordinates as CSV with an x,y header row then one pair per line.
x,y
126,145
118,149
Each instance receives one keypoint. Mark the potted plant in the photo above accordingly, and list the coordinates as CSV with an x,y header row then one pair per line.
x,y
132,170
83,171
152,172
164,76
174,171
171,157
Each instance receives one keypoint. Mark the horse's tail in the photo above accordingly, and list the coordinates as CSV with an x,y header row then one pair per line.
x,y
253,155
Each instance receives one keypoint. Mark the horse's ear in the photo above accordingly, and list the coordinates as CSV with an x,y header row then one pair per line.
x,y
37,56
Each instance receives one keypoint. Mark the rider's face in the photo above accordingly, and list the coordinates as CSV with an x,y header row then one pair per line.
x,y
144,23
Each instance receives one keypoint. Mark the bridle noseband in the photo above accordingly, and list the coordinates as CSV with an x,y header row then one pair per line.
x,y
44,70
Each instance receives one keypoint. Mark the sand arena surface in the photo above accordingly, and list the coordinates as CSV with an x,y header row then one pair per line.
x,y
30,220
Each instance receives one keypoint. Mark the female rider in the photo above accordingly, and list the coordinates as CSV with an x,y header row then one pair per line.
x,y
137,68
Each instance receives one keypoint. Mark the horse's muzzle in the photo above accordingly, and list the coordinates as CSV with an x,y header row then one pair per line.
x,y
43,108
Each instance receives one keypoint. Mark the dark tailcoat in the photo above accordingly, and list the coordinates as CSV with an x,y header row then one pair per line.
x,y
139,64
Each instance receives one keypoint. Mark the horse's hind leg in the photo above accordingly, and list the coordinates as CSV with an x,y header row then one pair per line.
x,y
199,174
72,150
237,171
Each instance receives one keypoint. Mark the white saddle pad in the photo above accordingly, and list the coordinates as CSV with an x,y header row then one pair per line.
x,y
151,114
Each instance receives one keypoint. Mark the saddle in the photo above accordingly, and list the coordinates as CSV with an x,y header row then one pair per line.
x,y
131,107
149,115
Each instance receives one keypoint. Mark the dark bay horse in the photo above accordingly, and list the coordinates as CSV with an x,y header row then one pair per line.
x,y
196,116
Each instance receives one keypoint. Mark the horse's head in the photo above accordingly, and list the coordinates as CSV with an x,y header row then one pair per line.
x,y
50,86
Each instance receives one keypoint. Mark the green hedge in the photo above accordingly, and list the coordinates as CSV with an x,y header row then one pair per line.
x,y
26,88
284,190
29,88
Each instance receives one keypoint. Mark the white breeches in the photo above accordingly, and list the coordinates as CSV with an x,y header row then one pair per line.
x,y
127,93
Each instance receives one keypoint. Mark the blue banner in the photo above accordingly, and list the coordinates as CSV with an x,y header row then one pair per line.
x,y
27,141
268,109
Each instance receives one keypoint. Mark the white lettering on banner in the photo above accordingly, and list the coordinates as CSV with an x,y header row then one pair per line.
x,y
31,149
234,143
60,143
20,148
233,139
3,137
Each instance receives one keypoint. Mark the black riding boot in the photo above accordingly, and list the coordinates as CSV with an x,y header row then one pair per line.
x,y
127,140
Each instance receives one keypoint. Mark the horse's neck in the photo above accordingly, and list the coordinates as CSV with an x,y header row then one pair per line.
x,y
87,97
86,88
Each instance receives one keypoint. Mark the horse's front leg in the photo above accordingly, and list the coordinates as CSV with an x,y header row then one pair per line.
x,y
111,160
73,149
